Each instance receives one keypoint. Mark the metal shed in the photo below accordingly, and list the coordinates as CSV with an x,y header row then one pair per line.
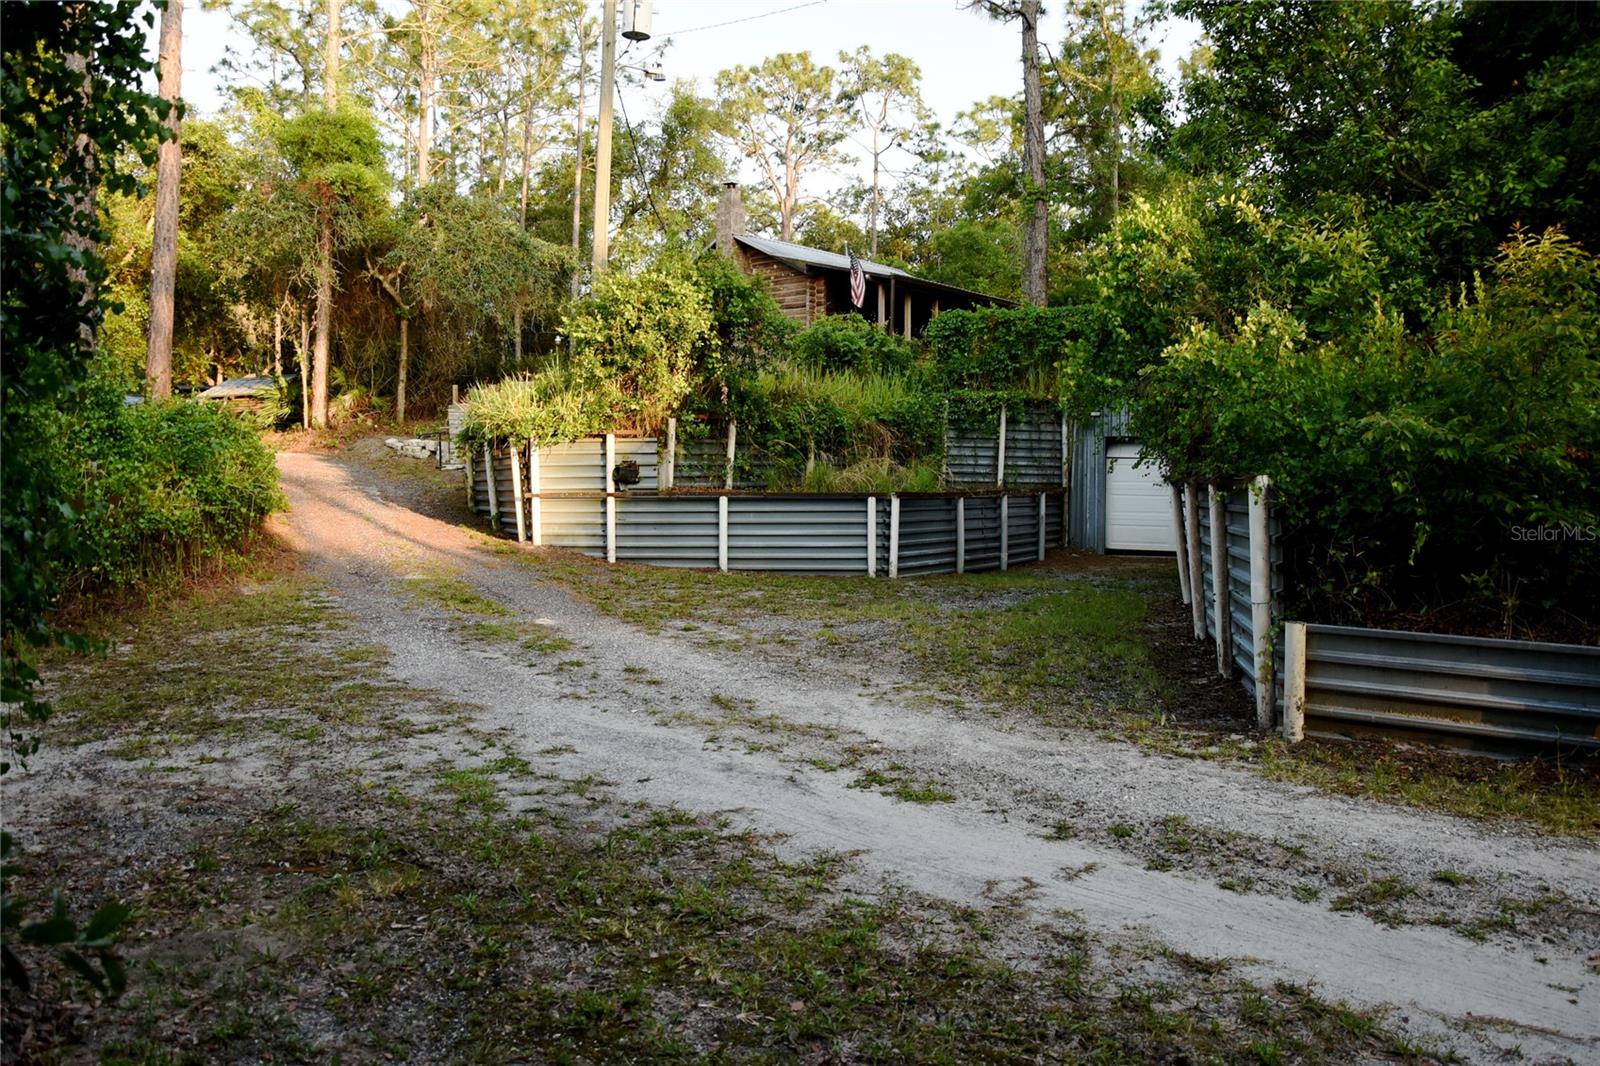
x,y
1118,502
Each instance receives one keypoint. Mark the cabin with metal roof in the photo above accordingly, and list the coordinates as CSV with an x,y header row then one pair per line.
x,y
811,283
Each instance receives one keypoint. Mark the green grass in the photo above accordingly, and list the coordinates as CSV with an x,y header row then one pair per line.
x,y
273,658
454,594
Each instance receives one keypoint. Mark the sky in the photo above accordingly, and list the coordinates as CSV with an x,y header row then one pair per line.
x,y
964,56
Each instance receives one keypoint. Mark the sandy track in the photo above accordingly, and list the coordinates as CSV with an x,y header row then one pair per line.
x,y
358,533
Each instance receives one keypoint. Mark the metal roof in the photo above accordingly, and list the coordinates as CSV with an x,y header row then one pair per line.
x,y
802,257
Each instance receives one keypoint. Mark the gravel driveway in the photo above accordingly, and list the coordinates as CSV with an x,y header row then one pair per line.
x,y
679,720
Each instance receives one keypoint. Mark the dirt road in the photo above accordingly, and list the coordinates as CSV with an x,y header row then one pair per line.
x,y
626,708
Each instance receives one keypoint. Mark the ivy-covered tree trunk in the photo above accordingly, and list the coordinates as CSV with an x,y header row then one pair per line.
x,y
164,233
1036,226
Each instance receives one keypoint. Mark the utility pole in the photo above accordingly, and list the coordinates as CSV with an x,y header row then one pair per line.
x,y
602,154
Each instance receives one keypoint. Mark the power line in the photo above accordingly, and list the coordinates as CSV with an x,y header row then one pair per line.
x,y
747,18
638,164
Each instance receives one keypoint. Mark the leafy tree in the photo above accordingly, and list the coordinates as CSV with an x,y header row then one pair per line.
x,y
336,161
888,95
789,117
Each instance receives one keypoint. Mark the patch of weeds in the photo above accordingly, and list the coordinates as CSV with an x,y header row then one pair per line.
x,y
1240,883
1378,899
1306,893
453,594
1452,878
892,782
1120,830
1062,830
1555,799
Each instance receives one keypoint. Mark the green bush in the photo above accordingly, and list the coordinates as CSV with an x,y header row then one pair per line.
x,y
852,344
158,487
1416,468
798,416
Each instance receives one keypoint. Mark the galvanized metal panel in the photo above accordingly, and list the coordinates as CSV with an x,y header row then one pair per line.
x,y
970,457
667,530
1472,692
1087,522
1033,449
576,467
702,463
1022,518
823,534
983,533
927,536
575,522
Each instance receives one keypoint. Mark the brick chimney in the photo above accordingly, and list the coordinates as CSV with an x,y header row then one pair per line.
x,y
730,219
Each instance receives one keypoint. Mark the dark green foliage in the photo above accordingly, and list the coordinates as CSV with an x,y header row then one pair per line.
x,y
51,303
1416,467
88,952
851,343
159,486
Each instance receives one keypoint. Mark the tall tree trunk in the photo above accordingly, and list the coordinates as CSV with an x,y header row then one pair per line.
x,y
324,311
322,347
303,355
577,166
81,199
405,359
522,201
277,341
425,80
164,241
330,56
1036,227
872,223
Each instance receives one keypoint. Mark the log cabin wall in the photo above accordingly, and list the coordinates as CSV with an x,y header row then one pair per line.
x,y
801,297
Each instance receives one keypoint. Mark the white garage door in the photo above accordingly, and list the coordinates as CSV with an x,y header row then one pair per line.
x,y
1138,503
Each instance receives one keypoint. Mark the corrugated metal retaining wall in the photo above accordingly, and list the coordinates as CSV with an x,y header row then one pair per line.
x,y
1470,692
1237,535
801,534
1035,451
1504,696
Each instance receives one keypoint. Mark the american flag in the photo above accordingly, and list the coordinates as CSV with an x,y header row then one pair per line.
x,y
858,279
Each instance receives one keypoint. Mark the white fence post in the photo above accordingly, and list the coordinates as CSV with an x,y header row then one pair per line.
x,y
488,470
894,534
1005,531
961,534
1041,526
1261,601
1221,597
1000,453
664,480
610,455
1294,681
733,436
535,504
516,490
1182,551
472,496
1197,591
722,534
872,536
